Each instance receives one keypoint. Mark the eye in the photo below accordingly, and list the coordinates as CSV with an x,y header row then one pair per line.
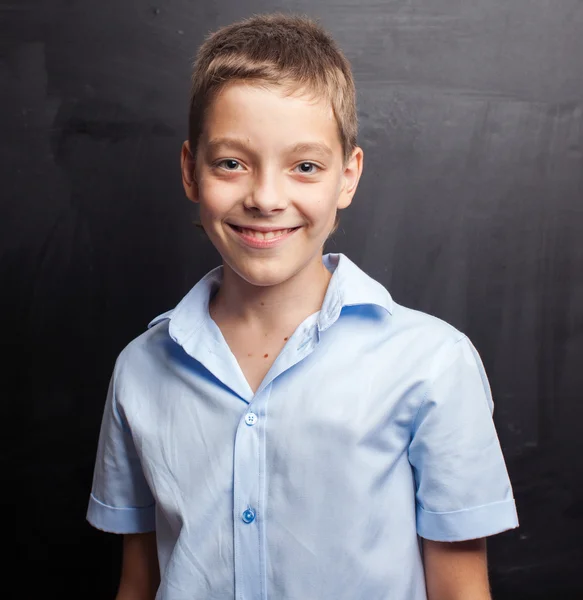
x,y
308,168
229,164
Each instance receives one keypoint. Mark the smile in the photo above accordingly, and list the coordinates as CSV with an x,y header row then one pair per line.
x,y
262,239
262,235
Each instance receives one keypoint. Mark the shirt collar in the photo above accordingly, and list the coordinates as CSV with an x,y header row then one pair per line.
x,y
349,286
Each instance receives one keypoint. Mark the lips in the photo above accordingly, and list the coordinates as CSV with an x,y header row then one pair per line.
x,y
263,235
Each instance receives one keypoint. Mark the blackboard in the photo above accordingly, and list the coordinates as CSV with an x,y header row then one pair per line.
x,y
470,208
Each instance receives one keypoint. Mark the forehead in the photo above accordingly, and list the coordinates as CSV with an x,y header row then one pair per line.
x,y
270,116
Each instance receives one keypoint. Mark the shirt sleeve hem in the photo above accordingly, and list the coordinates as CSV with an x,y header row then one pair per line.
x,y
467,524
121,520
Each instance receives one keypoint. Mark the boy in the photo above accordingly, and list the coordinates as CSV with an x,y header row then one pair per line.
x,y
288,431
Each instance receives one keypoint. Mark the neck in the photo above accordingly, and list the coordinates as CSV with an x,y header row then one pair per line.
x,y
269,308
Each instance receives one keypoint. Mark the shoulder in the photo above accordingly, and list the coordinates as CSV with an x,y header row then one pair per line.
x,y
423,328
419,339
410,318
358,288
427,344
144,350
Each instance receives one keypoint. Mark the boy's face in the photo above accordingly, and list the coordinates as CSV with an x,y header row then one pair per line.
x,y
269,176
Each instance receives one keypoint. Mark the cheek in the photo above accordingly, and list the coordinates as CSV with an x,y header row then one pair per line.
x,y
217,197
320,204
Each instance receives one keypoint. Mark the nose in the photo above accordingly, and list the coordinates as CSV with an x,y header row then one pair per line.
x,y
266,195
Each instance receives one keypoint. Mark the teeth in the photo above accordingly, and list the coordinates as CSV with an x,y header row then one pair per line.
x,y
264,236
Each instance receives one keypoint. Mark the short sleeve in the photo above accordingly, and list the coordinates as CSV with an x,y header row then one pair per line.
x,y
462,486
120,500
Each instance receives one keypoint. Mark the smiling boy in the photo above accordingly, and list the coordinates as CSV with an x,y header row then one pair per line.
x,y
289,431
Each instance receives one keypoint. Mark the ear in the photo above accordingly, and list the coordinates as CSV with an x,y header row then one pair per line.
x,y
187,165
351,177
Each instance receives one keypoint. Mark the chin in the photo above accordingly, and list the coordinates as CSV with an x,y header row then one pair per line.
x,y
261,273
268,271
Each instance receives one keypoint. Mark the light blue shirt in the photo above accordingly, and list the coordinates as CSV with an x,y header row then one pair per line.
x,y
373,427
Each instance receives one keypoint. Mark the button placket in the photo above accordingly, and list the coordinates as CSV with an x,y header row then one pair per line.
x,y
248,491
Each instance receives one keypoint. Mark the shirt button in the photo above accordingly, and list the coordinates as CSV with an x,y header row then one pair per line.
x,y
250,418
248,516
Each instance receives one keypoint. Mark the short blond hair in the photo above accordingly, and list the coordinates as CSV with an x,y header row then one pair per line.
x,y
281,50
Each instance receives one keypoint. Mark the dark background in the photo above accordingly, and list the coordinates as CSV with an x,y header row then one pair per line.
x,y
470,208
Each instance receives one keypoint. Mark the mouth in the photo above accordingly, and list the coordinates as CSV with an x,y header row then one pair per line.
x,y
262,235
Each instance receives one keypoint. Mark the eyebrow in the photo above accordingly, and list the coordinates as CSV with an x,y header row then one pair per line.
x,y
307,147
299,148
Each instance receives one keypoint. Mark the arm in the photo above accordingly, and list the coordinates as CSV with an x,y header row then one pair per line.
x,y
140,574
456,570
